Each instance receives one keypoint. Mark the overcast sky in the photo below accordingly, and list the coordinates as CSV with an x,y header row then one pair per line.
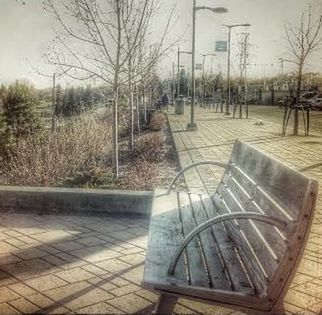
x,y
26,32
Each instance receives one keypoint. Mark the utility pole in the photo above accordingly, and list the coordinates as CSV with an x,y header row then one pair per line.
x,y
282,65
173,85
192,126
178,90
53,119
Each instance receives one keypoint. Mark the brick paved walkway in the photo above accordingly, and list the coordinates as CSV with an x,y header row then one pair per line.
x,y
94,265
215,139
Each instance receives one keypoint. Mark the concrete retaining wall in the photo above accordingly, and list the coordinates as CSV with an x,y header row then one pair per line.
x,y
64,200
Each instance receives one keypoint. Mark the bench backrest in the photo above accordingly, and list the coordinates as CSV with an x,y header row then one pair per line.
x,y
256,182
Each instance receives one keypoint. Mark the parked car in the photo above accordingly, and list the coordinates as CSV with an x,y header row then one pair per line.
x,y
188,100
311,98
317,103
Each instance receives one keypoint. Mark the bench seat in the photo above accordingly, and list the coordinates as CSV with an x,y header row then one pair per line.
x,y
245,263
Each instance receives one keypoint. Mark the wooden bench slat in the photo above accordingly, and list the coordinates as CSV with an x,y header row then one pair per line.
x,y
246,234
165,235
284,185
270,206
272,238
248,256
215,265
196,265
234,266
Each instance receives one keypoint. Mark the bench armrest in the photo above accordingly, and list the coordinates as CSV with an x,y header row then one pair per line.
x,y
281,224
217,163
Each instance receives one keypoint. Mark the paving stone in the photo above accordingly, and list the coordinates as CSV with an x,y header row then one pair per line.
x,y
6,248
120,282
7,281
132,250
135,275
21,289
46,282
179,309
7,294
8,259
130,288
131,303
52,236
78,295
70,261
113,265
104,284
29,231
67,246
47,305
133,259
28,268
27,240
6,309
148,295
302,300
75,275
300,279
123,235
95,270
295,310
24,306
204,308
30,253
90,241
310,268
95,253
14,242
100,308
12,233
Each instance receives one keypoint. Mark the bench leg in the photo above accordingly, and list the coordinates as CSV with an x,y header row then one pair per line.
x,y
165,304
278,309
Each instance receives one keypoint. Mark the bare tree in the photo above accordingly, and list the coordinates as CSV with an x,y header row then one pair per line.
x,y
303,40
98,39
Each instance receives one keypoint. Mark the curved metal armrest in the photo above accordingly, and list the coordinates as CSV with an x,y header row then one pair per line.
x,y
217,163
281,224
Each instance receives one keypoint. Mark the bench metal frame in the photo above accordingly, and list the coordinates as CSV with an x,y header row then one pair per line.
x,y
222,218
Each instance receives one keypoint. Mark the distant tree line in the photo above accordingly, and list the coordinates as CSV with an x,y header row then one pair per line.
x,y
74,100
18,115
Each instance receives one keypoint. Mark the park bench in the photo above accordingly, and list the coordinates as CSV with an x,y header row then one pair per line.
x,y
237,248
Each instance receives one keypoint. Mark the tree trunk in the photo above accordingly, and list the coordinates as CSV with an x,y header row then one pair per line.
x,y
116,93
138,109
130,92
143,101
298,96
115,131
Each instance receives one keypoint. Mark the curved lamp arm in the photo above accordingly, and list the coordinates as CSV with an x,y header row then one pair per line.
x,y
281,224
217,163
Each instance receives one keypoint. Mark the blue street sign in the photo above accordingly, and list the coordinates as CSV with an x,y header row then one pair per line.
x,y
221,46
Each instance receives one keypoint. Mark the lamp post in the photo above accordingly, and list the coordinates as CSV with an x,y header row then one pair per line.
x,y
203,76
228,71
192,126
180,52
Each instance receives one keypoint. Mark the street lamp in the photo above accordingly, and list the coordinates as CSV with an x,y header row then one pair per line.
x,y
192,126
203,75
180,52
228,72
